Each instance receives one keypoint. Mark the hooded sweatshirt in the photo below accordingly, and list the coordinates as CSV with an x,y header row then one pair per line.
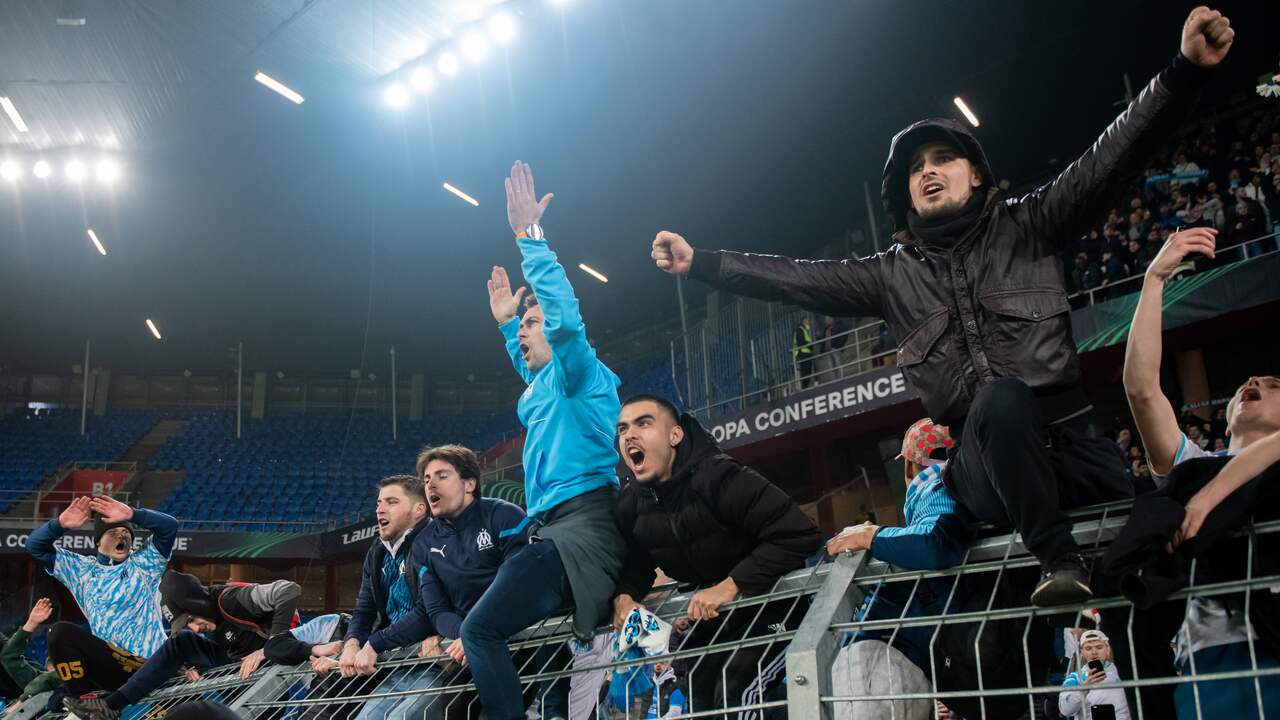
x,y
246,616
119,599
715,518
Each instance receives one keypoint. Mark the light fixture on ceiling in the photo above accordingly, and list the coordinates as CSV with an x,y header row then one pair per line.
x,y
96,242
593,272
461,194
278,87
474,47
396,96
154,330
42,169
76,171
108,171
12,112
964,110
422,80
448,63
502,28
10,170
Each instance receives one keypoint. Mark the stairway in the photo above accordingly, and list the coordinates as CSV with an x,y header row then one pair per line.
x,y
153,486
147,445
149,487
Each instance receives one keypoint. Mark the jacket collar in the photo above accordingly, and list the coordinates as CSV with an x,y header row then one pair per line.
x,y
405,539
464,518
904,236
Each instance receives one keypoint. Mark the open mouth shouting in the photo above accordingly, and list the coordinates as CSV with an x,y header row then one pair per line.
x,y
433,500
121,545
1250,394
932,189
635,458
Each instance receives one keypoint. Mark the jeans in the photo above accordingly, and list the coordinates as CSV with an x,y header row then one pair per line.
x,y
419,677
529,586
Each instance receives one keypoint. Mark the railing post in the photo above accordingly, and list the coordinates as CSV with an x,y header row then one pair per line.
x,y
814,648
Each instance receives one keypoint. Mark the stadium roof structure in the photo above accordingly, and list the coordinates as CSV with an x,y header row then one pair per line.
x,y
320,234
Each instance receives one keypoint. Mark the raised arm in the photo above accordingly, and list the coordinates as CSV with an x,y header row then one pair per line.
x,y
841,288
41,542
164,528
504,305
1156,420
566,335
1064,207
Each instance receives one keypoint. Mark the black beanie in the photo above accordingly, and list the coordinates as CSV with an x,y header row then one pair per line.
x,y
101,528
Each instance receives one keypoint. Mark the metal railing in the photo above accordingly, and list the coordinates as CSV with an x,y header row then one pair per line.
x,y
799,631
723,377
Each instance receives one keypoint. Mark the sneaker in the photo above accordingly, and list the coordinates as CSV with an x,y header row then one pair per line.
x,y
1064,582
91,707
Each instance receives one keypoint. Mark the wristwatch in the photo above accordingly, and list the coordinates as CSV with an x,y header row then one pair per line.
x,y
533,232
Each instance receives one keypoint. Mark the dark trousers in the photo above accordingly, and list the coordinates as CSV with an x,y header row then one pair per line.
x,y
1011,470
184,649
529,586
729,679
86,663
805,363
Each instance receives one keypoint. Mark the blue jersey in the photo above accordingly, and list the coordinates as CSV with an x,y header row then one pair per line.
x,y
570,407
121,602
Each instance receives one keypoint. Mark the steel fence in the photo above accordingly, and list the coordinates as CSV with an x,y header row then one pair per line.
x,y
788,652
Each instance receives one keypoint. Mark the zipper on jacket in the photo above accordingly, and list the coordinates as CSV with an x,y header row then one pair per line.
x,y
684,549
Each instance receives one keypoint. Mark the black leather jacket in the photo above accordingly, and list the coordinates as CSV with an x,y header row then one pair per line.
x,y
995,305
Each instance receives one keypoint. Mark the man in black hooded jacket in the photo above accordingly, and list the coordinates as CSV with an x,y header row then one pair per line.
x,y
974,290
705,518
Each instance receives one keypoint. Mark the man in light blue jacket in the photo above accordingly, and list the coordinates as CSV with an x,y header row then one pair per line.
x,y
569,408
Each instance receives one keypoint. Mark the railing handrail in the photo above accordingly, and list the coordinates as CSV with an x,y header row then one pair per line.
x,y
832,590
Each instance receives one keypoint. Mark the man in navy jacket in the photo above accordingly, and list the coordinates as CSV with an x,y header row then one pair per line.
x,y
462,549
388,613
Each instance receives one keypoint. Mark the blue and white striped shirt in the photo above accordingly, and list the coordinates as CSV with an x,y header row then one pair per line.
x,y
121,602
933,537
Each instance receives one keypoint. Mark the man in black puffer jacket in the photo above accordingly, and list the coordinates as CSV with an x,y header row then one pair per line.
x,y
973,287
706,519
